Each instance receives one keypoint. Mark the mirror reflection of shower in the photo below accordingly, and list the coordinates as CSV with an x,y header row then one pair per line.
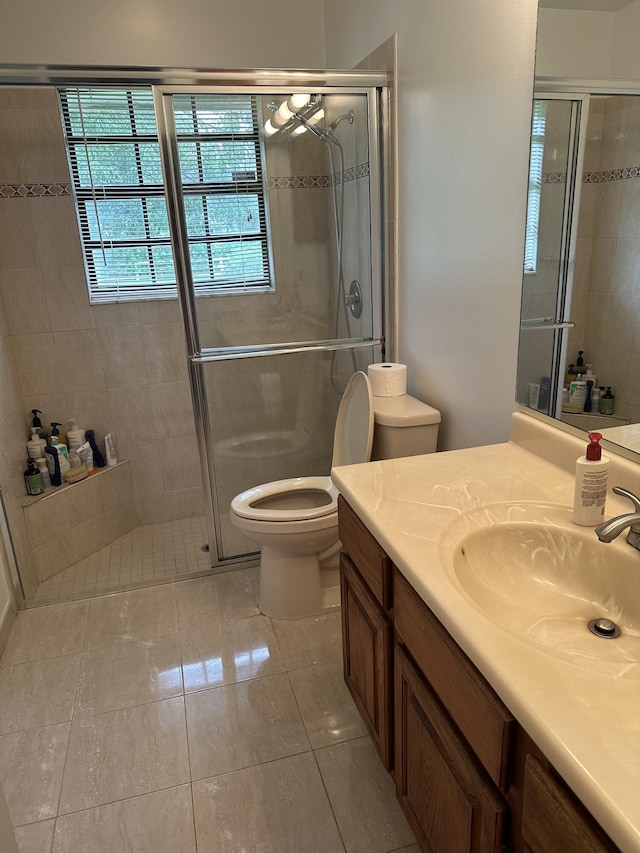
x,y
298,114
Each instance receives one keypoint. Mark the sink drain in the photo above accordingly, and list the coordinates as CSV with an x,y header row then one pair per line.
x,y
604,628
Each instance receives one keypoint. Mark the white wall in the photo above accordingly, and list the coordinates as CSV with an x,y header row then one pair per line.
x,y
464,103
574,44
625,61
179,33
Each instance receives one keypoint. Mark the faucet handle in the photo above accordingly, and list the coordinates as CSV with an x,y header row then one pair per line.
x,y
625,493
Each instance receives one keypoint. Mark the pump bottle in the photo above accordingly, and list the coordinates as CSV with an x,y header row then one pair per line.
x,y
590,493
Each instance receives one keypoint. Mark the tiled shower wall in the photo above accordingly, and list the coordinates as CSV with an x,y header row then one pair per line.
x,y
121,368
607,279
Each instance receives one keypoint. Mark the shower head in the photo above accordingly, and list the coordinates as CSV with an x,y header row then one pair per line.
x,y
317,131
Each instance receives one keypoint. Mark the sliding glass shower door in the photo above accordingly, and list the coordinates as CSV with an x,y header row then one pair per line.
x,y
275,203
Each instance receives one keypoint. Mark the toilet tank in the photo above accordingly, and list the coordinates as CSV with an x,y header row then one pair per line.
x,y
403,426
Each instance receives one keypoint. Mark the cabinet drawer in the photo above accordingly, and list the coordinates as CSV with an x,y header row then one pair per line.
x,y
482,719
367,556
553,819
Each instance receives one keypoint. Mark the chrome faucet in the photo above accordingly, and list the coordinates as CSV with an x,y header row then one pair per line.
x,y
608,530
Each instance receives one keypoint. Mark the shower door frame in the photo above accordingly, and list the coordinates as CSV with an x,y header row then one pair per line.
x,y
374,85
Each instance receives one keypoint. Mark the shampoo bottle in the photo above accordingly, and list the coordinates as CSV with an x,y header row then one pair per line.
x,y
592,471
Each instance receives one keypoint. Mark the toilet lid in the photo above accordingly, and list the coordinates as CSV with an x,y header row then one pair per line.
x,y
353,436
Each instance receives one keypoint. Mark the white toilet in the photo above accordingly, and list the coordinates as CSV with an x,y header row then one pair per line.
x,y
296,520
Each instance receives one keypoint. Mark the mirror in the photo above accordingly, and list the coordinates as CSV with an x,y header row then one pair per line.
x,y
581,286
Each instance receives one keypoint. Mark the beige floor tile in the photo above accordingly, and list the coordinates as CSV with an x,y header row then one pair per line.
x,y
279,807
316,639
363,798
31,765
127,674
161,822
326,705
235,651
38,693
124,754
35,837
138,615
46,632
243,724
216,599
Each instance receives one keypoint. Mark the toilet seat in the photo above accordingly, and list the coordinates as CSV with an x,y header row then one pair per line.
x,y
244,505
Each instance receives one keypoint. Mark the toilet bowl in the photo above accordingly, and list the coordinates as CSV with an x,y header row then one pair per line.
x,y
295,521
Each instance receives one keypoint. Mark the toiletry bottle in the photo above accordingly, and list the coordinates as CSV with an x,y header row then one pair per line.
x,y
590,375
606,402
98,458
588,398
590,493
110,450
580,368
543,396
570,375
33,479
56,435
595,399
37,423
75,439
35,445
53,464
577,395
41,465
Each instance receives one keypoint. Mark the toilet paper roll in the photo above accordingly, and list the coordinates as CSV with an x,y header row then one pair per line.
x,y
388,379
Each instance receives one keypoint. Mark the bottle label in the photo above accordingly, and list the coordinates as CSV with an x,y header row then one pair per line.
x,y
594,488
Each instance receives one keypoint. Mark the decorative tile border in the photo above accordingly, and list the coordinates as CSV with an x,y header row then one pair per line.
x,y
611,175
595,177
33,190
353,173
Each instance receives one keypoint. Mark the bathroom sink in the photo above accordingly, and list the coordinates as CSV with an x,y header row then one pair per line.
x,y
540,577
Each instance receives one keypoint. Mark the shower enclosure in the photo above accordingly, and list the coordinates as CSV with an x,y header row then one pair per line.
x,y
268,363
263,211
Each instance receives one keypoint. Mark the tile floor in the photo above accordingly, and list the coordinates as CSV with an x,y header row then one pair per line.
x,y
176,718
148,554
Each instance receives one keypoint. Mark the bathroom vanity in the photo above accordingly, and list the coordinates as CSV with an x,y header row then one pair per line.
x,y
495,741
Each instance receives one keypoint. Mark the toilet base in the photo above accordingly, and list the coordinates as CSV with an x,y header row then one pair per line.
x,y
294,585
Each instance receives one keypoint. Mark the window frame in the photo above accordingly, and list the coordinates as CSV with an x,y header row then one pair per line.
x,y
155,287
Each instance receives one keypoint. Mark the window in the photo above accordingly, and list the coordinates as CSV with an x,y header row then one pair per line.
x,y
112,142
538,128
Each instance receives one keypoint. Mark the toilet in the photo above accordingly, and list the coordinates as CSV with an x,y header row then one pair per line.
x,y
295,521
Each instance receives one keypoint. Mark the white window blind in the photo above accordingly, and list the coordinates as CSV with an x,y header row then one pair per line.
x,y
538,127
114,155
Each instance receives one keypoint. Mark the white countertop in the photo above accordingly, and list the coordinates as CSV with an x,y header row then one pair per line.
x,y
585,719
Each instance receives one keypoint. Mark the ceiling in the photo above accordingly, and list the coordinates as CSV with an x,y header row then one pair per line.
x,y
585,5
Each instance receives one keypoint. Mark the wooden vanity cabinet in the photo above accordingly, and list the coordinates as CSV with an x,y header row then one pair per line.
x,y
453,737
468,777
365,586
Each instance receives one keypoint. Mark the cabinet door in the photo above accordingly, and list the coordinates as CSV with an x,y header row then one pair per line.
x,y
553,820
366,634
448,801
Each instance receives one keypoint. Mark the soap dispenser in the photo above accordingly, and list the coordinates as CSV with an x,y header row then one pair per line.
x,y
35,445
37,423
590,494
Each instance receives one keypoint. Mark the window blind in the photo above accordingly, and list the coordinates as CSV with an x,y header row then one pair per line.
x,y
113,150
538,127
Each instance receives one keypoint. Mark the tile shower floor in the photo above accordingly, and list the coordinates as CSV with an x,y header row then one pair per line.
x,y
148,554
177,718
